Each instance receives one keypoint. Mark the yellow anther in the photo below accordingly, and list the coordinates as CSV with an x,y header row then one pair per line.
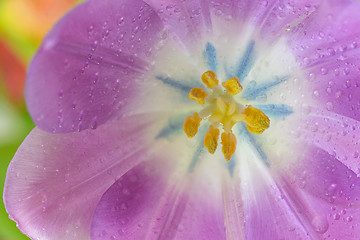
x,y
198,94
256,121
233,86
191,125
210,79
228,140
211,139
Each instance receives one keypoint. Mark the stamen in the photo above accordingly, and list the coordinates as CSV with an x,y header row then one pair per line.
x,y
221,109
233,86
211,139
256,121
191,125
210,79
198,94
228,140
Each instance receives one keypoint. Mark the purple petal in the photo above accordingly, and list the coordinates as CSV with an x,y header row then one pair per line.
x,y
324,177
233,207
194,22
326,192
326,44
148,203
54,182
335,134
316,197
88,66
268,214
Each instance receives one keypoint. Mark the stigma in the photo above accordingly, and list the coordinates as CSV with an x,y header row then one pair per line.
x,y
222,111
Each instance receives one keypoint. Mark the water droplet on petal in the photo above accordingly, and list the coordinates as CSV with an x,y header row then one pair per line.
x,y
336,216
320,224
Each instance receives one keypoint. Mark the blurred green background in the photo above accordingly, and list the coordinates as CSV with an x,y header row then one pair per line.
x,y
23,24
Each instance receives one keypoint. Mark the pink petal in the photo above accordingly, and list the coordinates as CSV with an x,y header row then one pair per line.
x,y
326,192
268,214
194,22
335,134
87,67
324,177
54,182
156,205
326,45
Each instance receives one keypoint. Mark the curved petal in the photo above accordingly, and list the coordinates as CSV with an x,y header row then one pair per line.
x,y
195,21
311,200
55,181
326,45
323,176
335,134
327,192
89,65
266,212
162,201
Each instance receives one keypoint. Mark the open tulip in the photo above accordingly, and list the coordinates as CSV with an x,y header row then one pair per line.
x,y
192,119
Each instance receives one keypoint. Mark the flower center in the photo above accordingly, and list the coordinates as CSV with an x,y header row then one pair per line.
x,y
223,112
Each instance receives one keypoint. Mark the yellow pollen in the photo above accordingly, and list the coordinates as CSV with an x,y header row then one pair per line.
x,y
256,121
198,94
228,140
210,79
233,86
191,125
221,110
211,139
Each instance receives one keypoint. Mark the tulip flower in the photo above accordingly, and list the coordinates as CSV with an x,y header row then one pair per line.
x,y
224,119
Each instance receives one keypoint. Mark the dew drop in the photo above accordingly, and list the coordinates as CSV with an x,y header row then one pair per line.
x,y
331,51
324,71
320,224
316,93
44,198
126,191
349,219
306,60
218,13
338,94
329,106
331,189
90,28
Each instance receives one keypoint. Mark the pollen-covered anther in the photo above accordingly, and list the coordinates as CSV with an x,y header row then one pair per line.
x,y
256,121
198,94
228,140
211,139
233,86
209,78
191,125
